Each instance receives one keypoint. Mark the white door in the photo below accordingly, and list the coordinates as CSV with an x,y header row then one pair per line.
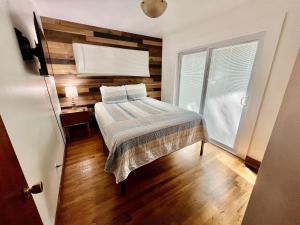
x,y
228,79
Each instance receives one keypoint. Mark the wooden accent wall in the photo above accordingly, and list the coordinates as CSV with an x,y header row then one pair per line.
x,y
61,34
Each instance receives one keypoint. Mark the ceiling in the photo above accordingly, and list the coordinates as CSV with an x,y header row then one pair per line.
x,y
126,15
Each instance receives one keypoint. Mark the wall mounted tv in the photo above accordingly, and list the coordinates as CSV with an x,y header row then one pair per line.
x,y
40,51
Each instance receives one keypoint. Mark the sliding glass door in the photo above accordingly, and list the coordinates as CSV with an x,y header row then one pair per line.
x,y
215,82
229,76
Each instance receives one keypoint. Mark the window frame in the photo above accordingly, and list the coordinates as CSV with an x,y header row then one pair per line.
x,y
259,37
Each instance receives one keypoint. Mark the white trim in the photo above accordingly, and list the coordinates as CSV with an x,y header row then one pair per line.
x,y
244,129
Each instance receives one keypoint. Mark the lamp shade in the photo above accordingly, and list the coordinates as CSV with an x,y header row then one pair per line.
x,y
71,92
154,8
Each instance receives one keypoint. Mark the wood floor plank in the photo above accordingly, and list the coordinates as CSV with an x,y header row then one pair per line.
x,y
181,188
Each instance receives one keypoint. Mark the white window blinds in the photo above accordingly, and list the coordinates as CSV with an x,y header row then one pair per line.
x,y
228,80
94,60
191,80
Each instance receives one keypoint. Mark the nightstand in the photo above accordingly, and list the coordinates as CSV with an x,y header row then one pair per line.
x,y
73,117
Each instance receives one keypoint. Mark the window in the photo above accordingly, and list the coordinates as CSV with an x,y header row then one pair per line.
x,y
191,80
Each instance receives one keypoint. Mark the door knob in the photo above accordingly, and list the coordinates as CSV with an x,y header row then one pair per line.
x,y
58,165
35,189
244,100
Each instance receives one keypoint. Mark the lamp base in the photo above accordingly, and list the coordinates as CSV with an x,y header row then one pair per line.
x,y
73,104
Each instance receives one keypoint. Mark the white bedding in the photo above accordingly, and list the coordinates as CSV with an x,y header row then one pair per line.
x,y
138,132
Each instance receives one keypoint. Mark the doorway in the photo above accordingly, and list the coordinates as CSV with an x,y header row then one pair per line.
x,y
215,82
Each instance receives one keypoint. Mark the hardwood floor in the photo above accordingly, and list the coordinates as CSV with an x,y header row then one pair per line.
x,y
181,188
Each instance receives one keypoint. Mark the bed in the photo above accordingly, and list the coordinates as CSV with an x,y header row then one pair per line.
x,y
141,131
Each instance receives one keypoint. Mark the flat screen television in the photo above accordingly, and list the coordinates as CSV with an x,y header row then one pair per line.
x,y
40,51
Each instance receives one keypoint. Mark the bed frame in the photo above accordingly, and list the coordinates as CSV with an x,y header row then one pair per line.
x,y
122,184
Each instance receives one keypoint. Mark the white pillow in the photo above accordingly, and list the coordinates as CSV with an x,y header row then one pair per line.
x,y
136,91
113,94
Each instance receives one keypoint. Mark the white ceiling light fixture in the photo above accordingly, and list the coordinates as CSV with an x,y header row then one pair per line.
x,y
154,8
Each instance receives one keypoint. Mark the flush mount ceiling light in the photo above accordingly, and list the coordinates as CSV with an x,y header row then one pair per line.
x,y
154,8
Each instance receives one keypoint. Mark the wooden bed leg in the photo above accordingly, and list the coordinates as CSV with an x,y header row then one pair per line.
x,y
103,146
201,149
122,188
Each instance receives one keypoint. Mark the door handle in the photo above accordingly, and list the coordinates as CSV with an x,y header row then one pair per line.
x,y
35,189
58,165
244,100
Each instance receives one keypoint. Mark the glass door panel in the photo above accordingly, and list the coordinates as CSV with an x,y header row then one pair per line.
x,y
192,69
226,95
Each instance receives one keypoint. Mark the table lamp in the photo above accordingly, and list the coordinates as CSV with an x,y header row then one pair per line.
x,y
71,92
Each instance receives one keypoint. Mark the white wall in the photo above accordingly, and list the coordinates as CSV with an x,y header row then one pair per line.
x,y
281,70
26,109
275,198
254,17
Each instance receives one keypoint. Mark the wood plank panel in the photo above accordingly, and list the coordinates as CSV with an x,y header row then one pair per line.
x,y
94,88
64,69
155,59
71,69
155,43
67,29
60,48
80,26
61,34
90,82
111,41
63,37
